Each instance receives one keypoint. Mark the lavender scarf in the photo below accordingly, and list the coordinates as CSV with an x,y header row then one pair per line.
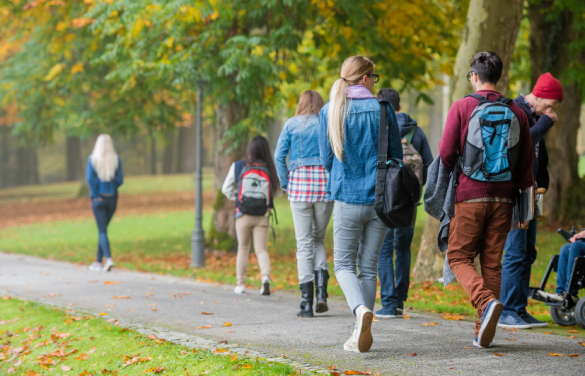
x,y
358,92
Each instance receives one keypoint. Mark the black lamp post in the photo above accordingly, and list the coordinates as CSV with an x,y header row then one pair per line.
x,y
198,238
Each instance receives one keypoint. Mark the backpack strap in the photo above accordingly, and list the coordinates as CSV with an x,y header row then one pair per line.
x,y
383,135
408,137
238,167
479,97
504,100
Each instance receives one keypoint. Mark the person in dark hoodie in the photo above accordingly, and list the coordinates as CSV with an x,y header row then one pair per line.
x,y
520,251
394,280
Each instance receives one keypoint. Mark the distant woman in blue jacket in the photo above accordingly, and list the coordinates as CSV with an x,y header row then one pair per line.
x,y
104,176
306,180
348,139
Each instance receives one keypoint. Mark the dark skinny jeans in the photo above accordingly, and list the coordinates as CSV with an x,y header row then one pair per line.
x,y
103,210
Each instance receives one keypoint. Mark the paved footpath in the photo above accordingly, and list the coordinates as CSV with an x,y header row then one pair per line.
x,y
269,325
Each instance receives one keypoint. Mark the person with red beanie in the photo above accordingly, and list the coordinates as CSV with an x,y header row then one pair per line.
x,y
520,248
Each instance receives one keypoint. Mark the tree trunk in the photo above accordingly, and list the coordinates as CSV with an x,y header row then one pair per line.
x,y
549,53
169,154
222,234
4,156
152,155
74,165
487,28
27,171
187,151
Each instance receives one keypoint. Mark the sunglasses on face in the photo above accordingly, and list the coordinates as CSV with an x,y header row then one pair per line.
x,y
376,77
469,75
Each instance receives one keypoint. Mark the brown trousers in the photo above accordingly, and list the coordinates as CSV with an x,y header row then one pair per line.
x,y
248,226
472,221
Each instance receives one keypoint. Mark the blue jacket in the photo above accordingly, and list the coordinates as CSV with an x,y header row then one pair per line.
x,y
300,137
98,187
419,140
353,180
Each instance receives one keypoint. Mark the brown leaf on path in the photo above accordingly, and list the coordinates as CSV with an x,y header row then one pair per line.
x,y
573,355
51,295
227,324
230,331
82,357
573,331
547,333
206,313
554,354
331,367
511,339
468,347
510,330
412,354
121,297
406,317
352,373
454,317
112,282
66,368
496,354
204,327
155,309
582,343
103,314
571,337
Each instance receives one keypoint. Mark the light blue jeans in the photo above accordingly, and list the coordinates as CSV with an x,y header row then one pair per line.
x,y
358,235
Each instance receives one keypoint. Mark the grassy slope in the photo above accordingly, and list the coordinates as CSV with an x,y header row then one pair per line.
x,y
105,346
160,242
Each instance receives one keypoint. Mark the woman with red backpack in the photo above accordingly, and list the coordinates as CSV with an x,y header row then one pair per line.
x,y
253,183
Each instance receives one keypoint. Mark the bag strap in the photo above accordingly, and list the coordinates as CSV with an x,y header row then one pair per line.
x,y
479,97
408,137
383,134
238,167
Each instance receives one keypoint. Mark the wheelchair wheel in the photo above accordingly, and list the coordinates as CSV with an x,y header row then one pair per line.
x,y
580,313
563,317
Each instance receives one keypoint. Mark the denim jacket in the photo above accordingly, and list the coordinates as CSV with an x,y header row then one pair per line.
x,y
300,137
353,180
98,187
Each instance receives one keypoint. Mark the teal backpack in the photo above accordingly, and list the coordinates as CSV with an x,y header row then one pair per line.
x,y
490,153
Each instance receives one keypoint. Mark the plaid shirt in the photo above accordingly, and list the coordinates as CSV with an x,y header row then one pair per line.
x,y
308,184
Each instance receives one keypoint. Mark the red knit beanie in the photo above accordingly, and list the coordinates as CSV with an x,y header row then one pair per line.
x,y
548,87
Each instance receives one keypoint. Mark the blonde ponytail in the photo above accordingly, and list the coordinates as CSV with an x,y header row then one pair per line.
x,y
352,70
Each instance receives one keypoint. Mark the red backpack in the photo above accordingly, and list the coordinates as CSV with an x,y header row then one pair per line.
x,y
254,188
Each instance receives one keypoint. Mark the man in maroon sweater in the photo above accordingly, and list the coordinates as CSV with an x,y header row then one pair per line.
x,y
483,211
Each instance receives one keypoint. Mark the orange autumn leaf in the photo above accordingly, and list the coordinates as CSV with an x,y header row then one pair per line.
x,y
573,331
497,354
554,354
455,317
511,339
112,282
249,366
547,333
571,337
412,354
219,351
155,370
227,324
66,368
573,355
582,343
103,314
121,297
407,317
32,373
204,327
206,313
352,373
82,357
234,357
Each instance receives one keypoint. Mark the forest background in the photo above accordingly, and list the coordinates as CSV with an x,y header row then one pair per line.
x,y
70,70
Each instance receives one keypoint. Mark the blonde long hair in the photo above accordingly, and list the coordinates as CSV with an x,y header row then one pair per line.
x,y
352,71
310,102
104,158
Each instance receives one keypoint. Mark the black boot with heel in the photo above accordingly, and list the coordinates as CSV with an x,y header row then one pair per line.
x,y
321,278
307,303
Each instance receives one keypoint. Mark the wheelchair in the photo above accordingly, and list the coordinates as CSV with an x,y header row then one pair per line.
x,y
566,312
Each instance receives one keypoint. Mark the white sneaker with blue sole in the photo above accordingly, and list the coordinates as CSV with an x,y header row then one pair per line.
x,y
489,323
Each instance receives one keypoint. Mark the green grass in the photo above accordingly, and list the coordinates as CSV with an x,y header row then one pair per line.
x,y
100,347
161,243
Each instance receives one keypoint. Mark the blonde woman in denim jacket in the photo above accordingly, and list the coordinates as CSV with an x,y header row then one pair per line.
x,y
306,180
348,139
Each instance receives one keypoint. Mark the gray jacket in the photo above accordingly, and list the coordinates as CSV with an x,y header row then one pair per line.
x,y
439,201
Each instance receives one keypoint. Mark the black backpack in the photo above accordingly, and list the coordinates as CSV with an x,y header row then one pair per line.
x,y
398,190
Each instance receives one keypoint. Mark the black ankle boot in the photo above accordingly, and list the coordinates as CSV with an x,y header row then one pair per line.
x,y
321,278
307,303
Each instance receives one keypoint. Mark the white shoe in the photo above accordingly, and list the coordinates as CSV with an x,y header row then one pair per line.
x,y
350,345
363,332
95,267
240,289
476,344
265,288
108,265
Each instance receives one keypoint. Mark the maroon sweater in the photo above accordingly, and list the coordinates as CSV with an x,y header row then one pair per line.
x,y
451,146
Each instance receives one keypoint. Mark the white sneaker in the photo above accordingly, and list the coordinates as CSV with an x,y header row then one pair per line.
x,y
364,319
240,289
350,345
265,288
108,265
95,267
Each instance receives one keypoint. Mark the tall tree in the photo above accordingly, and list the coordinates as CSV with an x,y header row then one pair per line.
x,y
487,28
556,46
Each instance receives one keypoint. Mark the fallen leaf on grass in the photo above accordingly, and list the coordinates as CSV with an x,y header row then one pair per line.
x,y
155,370
234,357
455,317
103,314
91,351
554,354
121,297
573,331
82,357
412,354
573,355
497,354
112,282
206,313
204,327
511,339
227,324
20,361
219,351
248,366
51,295
32,373
66,368
547,333
156,339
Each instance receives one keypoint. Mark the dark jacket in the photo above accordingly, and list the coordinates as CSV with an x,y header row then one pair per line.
x,y
98,187
538,129
419,140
